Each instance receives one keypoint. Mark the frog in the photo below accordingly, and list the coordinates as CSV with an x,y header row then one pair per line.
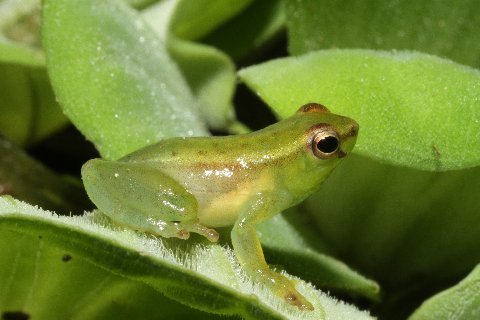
x,y
180,185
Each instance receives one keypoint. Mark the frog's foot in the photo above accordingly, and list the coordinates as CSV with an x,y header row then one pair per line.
x,y
296,299
177,229
166,229
196,227
285,288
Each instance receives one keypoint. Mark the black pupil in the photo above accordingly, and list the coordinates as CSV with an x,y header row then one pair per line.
x,y
327,144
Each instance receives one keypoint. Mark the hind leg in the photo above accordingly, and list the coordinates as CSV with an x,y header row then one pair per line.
x,y
142,197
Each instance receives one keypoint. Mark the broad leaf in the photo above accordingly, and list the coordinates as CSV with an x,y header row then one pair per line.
x,y
414,110
121,261
438,27
114,78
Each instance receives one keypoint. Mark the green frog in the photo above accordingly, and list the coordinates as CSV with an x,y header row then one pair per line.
x,y
193,185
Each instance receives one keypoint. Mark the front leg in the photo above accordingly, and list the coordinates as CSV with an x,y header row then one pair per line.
x,y
249,253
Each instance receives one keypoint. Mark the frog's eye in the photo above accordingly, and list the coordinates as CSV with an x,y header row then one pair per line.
x,y
325,144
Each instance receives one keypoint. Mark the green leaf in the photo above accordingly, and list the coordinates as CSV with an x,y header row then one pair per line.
x,y
209,72
15,103
211,75
265,21
14,53
414,110
195,19
438,27
296,247
119,262
114,78
26,97
28,110
461,302
142,3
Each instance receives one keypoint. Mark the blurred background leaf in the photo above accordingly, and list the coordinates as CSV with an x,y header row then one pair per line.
x,y
251,31
438,27
28,110
459,302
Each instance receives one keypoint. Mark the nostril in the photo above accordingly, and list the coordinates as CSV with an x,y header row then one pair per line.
x,y
353,130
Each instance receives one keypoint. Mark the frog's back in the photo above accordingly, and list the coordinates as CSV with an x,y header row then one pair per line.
x,y
224,172
221,172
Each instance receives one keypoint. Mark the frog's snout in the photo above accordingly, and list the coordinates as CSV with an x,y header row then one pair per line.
x,y
349,138
353,132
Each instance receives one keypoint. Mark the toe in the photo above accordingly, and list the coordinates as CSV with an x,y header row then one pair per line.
x,y
212,235
183,234
299,301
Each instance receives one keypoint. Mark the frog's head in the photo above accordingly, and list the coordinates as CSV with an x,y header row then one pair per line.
x,y
330,136
325,138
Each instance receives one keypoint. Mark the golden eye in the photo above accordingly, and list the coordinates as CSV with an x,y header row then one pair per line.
x,y
325,144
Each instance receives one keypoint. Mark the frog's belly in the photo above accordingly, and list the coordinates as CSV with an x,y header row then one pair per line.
x,y
220,204
221,197
221,209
